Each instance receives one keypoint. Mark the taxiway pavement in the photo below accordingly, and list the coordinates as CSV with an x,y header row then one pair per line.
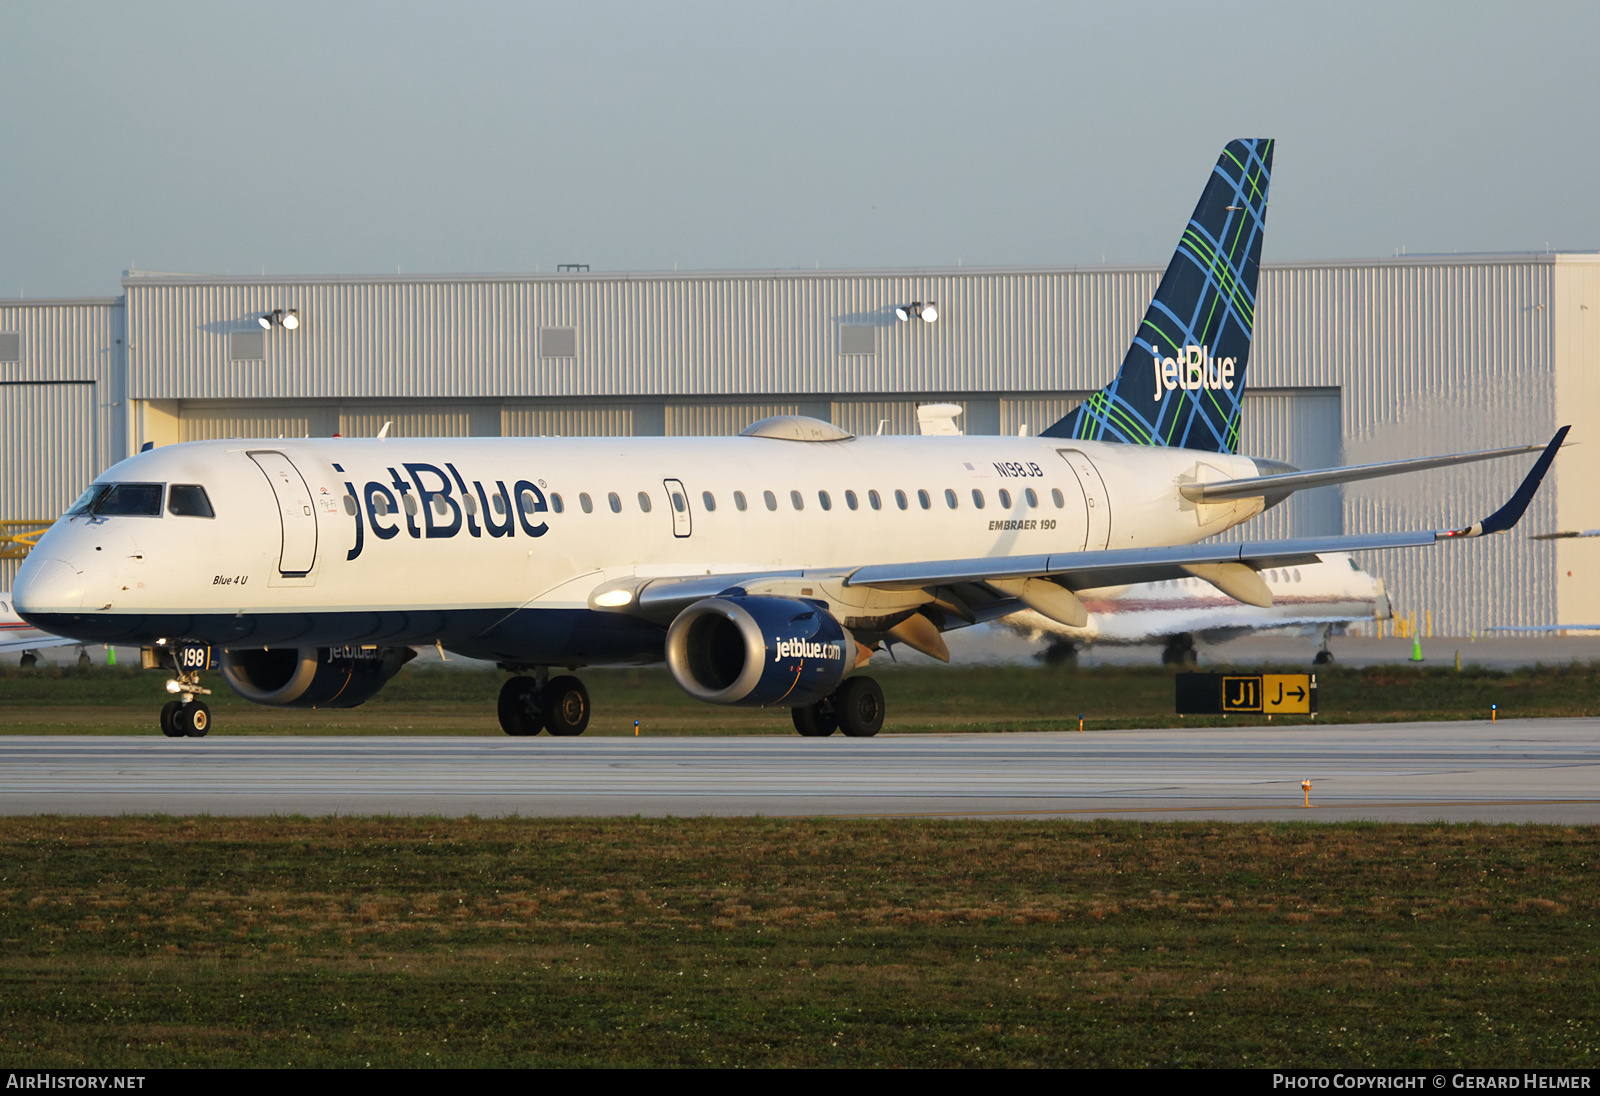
x,y
1513,771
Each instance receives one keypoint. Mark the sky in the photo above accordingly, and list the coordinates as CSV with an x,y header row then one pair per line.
x,y
359,138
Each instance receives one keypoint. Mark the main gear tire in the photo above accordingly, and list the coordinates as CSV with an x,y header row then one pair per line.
x,y
566,706
518,708
858,703
815,720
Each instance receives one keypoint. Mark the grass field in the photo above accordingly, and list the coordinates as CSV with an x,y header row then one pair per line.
x,y
940,698
157,942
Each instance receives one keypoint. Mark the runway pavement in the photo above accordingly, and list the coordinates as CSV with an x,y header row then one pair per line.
x,y
1514,771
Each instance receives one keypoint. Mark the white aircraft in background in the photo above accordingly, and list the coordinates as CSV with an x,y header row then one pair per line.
x,y
765,567
17,635
1316,598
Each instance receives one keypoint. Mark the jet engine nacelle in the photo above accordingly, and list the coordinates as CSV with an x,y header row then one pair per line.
x,y
312,677
758,651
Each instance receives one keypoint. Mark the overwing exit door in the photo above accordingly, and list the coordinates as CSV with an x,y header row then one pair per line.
x,y
678,497
295,513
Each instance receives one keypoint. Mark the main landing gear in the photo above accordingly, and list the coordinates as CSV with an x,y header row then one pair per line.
x,y
1323,657
855,707
1180,652
529,705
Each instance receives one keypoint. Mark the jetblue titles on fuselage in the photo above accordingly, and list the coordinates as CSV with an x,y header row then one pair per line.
x,y
445,504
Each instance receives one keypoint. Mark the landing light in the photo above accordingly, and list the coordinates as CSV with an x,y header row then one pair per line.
x,y
611,599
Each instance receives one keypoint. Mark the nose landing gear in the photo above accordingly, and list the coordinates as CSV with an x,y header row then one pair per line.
x,y
187,716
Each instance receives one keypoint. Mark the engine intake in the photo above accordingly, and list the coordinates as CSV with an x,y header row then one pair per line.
x,y
758,651
312,677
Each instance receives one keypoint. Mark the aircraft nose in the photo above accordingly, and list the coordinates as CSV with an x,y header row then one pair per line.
x,y
46,586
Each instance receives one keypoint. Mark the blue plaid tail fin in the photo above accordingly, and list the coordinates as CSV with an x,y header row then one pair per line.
x,y
1183,378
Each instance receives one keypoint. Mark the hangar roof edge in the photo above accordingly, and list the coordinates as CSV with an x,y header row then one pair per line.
x,y
143,279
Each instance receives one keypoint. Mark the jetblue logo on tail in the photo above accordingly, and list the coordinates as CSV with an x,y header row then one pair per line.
x,y
1192,369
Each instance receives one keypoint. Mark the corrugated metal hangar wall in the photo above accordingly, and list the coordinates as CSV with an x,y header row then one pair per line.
x,y
1353,362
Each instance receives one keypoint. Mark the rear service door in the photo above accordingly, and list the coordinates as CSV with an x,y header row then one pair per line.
x,y
295,513
1094,497
682,524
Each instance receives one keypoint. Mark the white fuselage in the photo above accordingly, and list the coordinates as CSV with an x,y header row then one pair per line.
x,y
345,527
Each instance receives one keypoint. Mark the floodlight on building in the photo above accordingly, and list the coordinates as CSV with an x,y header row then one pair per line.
x,y
916,310
288,320
929,313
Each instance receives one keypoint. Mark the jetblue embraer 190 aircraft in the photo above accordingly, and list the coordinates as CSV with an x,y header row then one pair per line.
x,y
765,567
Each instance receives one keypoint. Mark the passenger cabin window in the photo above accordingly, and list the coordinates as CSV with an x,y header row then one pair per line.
x,y
556,503
1057,497
586,502
874,501
899,498
525,500
499,502
738,501
378,502
441,507
679,503
411,504
796,501
708,500
922,497
644,501
770,499
1005,499
850,500
350,505
977,498
188,500
1033,499
950,498
120,500
822,497
471,504
615,502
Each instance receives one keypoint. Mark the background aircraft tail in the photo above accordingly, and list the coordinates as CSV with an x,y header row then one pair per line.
x,y
1183,378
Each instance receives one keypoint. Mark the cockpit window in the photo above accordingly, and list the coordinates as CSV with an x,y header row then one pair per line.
x,y
120,500
188,500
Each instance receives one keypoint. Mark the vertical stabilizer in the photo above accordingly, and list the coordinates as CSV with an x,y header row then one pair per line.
x,y
1183,378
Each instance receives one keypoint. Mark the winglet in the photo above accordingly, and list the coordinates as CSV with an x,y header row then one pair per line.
x,y
1511,513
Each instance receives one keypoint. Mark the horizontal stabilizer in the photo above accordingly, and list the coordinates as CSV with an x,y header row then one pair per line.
x,y
1258,486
